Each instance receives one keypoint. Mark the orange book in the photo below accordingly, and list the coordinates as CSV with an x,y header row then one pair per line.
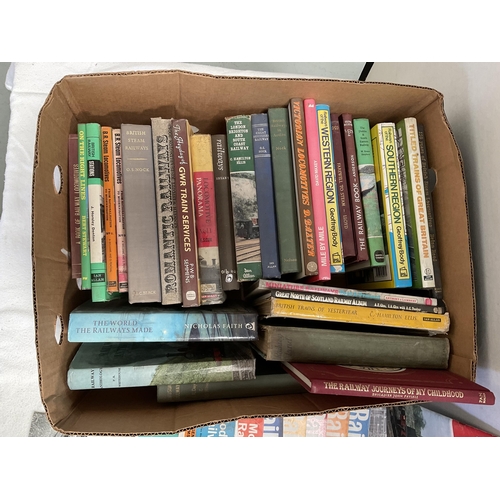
x,y
109,210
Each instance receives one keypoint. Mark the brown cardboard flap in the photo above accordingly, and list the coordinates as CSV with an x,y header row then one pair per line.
x,y
115,98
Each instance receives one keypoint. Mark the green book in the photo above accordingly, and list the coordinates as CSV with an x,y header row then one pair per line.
x,y
97,233
84,226
369,193
244,198
131,364
284,191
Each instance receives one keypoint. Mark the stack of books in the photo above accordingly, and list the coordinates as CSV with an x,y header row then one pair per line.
x,y
300,238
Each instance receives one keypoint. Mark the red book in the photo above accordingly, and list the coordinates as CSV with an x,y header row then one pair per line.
x,y
351,164
317,191
250,427
348,245
397,383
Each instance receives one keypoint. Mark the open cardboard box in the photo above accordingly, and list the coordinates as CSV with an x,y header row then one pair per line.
x,y
116,98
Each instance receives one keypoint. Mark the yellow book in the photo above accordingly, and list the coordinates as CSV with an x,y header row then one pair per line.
x,y
271,306
330,189
109,210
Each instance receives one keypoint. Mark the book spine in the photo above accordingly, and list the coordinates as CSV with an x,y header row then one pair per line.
x,y
393,194
355,188
143,261
206,220
263,285
74,206
417,227
356,301
293,308
190,274
316,425
250,427
294,426
337,424
224,211
438,290
84,210
121,239
161,325
303,189
109,210
330,190
352,348
348,244
98,276
265,196
317,191
224,429
398,391
244,198
369,195
284,191
168,234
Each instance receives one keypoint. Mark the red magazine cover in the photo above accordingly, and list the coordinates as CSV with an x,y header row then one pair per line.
x,y
390,383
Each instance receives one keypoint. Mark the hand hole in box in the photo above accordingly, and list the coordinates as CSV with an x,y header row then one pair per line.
x,y
57,179
58,330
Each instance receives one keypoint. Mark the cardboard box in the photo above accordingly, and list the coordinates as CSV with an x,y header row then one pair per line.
x,y
113,99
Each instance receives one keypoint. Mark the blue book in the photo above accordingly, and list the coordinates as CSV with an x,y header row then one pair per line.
x,y
273,427
119,321
224,429
265,196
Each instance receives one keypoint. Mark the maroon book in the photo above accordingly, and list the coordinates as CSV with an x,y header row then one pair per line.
x,y
348,245
351,164
188,248
391,383
74,206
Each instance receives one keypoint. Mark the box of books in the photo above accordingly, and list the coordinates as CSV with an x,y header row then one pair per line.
x,y
118,100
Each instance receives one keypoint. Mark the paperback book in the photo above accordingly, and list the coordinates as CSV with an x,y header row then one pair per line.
x,y
117,321
110,365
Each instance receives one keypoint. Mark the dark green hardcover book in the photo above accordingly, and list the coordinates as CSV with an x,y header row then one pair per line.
x,y
369,194
97,232
284,191
84,224
244,198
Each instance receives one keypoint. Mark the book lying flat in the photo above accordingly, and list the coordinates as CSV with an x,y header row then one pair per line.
x,y
129,364
119,321
390,383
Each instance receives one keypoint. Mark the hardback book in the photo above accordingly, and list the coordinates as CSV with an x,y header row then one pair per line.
x,y
143,260
224,212
264,184
121,237
244,198
412,384
428,187
418,421
303,344
119,321
109,209
74,206
343,191
84,207
369,192
278,304
110,365
166,211
186,217
284,191
417,226
397,272
416,302
206,220
317,191
332,206
309,257
351,164
97,231
270,379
